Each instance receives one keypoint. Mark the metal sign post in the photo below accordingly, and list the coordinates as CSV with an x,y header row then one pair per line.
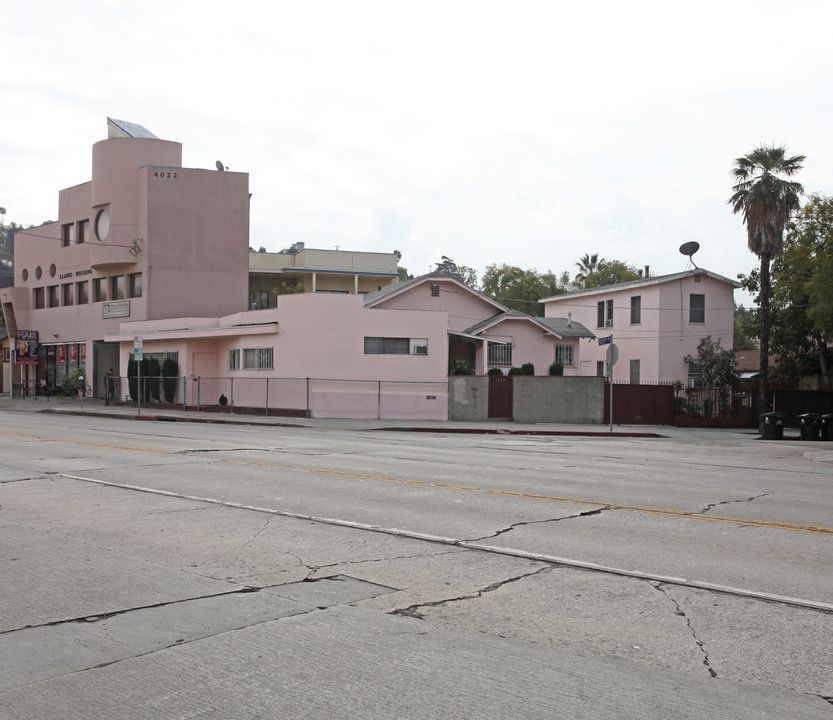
x,y
137,356
611,357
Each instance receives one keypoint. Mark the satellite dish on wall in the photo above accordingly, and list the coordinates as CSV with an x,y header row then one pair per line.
x,y
219,165
689,249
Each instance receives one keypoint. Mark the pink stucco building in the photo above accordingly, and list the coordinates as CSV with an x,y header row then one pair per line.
x,y
655,322
149,250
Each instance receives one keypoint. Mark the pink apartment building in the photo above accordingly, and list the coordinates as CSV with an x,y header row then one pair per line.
x,y
655,322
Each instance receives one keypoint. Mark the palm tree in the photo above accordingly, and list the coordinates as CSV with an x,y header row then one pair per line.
x,y
588,265
766,199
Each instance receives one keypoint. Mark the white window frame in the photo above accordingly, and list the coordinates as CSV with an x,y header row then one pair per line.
x,y
636,310
604,313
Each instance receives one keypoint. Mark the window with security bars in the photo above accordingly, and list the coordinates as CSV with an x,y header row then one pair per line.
x,y
564,355
258,358
500,355
234,359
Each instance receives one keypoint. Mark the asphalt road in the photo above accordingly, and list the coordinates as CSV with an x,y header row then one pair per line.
x,y
157,569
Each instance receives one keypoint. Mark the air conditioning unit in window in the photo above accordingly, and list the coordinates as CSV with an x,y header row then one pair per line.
x,y
609,322
420,349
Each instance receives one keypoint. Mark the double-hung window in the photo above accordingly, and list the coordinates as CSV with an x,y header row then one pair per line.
x,y
636,310
604,317
697,308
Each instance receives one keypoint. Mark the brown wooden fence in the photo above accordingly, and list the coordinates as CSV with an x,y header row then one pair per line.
x,y
640,404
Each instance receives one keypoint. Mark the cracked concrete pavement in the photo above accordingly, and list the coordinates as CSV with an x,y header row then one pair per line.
x,y
224,610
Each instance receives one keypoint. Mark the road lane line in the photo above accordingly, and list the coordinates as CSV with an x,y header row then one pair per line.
x,y
477,546
772,525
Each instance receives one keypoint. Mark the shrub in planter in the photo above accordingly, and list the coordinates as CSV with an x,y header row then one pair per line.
x,y
154,370
223,400
515,371
494,371
73,382
169,373
557,368
527,369
461,367
132,379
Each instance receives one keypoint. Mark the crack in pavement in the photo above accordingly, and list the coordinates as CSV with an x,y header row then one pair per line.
x,y
586,513
697,640
712,506
413,610
313,569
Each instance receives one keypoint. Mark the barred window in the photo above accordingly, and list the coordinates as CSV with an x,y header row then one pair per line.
x,y
234,359
257,359
500,355
564,354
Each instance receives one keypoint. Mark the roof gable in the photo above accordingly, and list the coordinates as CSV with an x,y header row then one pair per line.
x,y
640,283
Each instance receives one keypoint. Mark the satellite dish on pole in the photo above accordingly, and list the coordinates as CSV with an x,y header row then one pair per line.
x,y
689,249
219,165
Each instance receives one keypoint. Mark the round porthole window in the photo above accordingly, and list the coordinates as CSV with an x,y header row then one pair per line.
x,y
25,274
52,270
38,272
102,224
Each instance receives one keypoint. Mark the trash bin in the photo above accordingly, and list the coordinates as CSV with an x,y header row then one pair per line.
x,y
826,427
773,423
810,425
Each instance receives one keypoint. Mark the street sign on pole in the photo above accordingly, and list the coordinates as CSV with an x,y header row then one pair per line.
x,y
137,348
606,340
611,356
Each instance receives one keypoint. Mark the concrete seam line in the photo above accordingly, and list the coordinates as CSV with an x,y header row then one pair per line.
x,y
479,547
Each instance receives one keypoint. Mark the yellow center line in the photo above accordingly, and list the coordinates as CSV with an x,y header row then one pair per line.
x,y
460,488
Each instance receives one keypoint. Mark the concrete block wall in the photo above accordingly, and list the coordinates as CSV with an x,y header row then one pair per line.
x,y
558,399
468,398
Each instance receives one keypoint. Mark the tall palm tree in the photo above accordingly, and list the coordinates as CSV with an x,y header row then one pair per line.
x,y
766,199
588,265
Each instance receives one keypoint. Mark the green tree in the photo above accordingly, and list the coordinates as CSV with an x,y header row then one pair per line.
x,y
802,290
611,272
463,273
520,289
766,199
746,329
715,366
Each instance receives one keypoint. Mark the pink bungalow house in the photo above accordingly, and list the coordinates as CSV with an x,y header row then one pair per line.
x,y
655,322
483,332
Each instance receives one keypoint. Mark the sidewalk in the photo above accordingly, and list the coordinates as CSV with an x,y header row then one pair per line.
x,y
95,407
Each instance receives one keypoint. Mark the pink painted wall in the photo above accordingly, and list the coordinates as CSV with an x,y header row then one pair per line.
x,y
318,336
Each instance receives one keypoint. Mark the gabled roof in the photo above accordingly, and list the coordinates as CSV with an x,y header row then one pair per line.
x,y
642,282
375,297
562,327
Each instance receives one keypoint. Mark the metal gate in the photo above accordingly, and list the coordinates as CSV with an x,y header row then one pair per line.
x,y
500,397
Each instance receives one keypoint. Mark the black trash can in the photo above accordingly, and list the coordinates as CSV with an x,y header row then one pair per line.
x,y
810,424
773,423
826,427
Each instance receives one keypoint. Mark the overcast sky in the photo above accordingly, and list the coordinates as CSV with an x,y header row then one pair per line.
x,y
526,133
